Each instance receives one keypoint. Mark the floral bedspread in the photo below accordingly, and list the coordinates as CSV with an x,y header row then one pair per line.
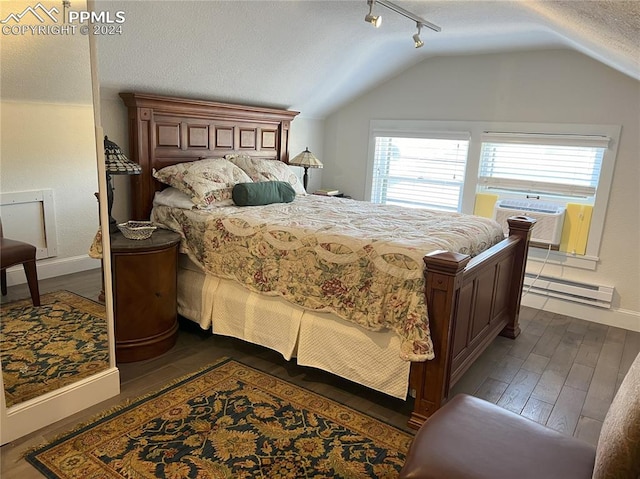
x,y
359,260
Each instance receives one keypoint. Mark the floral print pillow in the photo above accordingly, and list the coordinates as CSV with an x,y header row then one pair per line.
x,y
261,169
208,182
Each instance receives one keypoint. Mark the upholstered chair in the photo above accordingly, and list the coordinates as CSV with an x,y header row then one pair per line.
x,y
618,450
474,439
14,252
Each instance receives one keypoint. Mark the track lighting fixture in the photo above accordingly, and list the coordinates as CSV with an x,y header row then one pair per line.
x,y
416,37
376,20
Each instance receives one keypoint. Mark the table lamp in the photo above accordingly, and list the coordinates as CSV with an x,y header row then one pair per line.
x,y
306,160
116,163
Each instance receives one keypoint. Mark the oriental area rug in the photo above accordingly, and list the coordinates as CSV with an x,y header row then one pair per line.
x,y
227,421
46,347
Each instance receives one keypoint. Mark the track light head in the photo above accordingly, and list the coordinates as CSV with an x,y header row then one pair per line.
x,y
417,42
375,20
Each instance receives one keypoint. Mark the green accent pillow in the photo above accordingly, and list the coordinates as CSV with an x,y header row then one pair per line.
x,y
263,193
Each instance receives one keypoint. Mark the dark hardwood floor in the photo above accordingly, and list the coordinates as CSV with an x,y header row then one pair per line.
x,y
561,371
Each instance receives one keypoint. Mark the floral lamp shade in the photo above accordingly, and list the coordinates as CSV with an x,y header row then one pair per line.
x,y
307,160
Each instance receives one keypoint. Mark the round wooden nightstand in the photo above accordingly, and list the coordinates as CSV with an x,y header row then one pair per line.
x,y
145,294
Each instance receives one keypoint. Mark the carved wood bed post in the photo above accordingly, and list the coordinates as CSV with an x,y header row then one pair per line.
x,y
521,227
284,141
430,379
469,302
140,137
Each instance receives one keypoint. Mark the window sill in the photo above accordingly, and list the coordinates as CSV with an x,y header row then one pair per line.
x,y
563,259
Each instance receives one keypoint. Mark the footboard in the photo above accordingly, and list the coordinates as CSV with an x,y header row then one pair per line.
x,y
470,301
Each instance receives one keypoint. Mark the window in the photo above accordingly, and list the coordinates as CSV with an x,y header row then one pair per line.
x,y
564,168
419,172
446,164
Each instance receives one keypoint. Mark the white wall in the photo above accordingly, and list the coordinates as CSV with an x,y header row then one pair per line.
x,y
542,86
47,134
309,133
46,145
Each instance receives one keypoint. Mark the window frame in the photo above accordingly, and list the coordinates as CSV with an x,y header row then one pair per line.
x,y
475,130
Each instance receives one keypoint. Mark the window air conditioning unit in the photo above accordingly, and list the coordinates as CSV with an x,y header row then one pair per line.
x,y
549,216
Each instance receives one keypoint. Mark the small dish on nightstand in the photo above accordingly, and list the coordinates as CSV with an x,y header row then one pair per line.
x,y
137,230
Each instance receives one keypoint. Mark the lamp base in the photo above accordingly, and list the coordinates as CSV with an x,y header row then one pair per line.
x,y
113,224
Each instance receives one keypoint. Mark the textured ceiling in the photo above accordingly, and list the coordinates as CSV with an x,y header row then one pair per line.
x,y
48,68
605,29
313,56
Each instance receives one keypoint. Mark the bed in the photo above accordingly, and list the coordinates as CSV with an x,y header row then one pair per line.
x,y
469,299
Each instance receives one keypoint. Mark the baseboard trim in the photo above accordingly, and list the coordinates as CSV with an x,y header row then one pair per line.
x,y
52,268
620,318
39,412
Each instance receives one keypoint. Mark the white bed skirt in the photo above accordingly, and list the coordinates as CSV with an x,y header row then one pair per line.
x,y
320,340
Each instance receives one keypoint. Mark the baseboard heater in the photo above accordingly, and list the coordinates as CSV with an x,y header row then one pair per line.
x,y
592,294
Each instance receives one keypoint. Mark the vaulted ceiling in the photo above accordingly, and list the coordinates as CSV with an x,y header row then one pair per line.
x,y
313,56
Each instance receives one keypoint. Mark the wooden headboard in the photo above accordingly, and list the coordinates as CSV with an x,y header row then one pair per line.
x,y
164,131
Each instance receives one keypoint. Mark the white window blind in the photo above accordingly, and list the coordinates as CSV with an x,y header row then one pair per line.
x,y
419,172
565,165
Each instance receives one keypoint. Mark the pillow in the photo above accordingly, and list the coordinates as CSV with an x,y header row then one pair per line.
x,y
174,198
261,169
206,181
263,193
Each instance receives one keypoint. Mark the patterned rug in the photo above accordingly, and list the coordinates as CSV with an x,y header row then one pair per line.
x,y
227,421
46,347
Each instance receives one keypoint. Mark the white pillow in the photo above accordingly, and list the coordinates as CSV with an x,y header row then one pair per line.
x,y
173,198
